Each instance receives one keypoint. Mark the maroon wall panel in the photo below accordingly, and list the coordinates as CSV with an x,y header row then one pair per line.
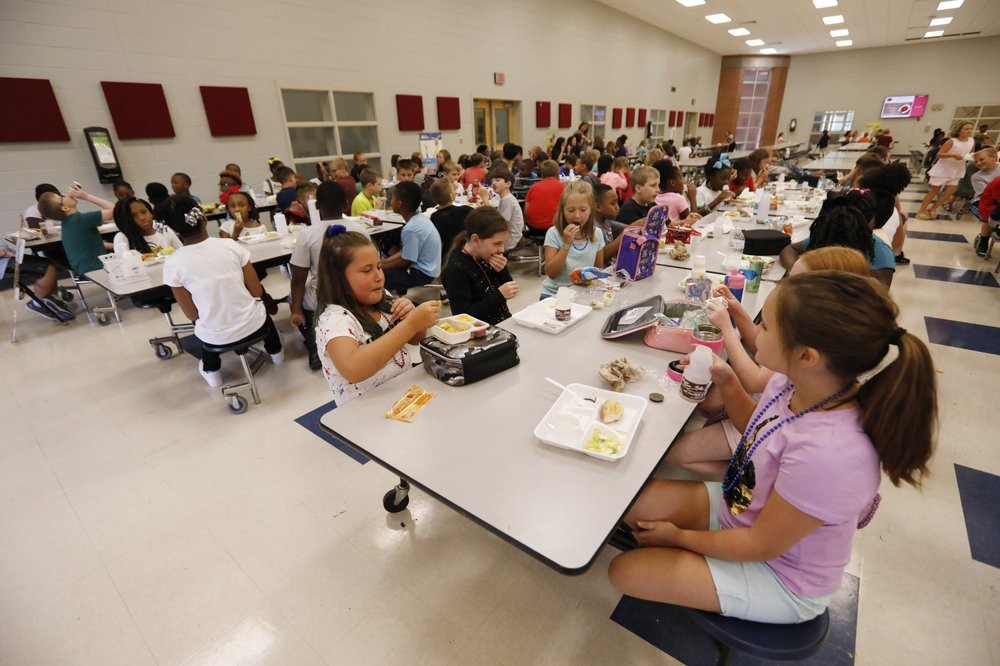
x,y
565,115
629,117
29,111
449,116
228,111
138,110
642,118
673,119
543,114
616,118
410,113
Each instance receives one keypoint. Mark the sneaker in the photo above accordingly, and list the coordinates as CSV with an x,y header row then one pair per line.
x,y
279,358
901,259
314,361
36,306
64,313
213,378
982,245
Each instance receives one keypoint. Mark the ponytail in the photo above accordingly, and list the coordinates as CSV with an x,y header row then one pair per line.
x,y
851,321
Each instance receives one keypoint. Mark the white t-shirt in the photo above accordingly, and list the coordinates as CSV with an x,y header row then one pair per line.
x,y
161,238
230,224
887,231
32,212
305,254
212,271
684,152
511,211
705,195
338,322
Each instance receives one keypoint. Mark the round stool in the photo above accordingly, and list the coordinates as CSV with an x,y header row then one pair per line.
x,y
780,642
230,392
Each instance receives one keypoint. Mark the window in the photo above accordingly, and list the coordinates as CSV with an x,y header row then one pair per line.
x,y
832,121
978,116
658,126
596,116
323,124
753,103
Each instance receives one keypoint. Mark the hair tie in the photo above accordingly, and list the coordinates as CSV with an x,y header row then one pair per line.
x,y
897,336
722,162
335,229
194,216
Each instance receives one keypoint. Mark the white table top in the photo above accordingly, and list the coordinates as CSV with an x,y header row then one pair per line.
x,y
719,257
56,237
834,162
472,447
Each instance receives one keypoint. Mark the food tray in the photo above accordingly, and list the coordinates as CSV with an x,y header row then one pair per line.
x,y
542,315
570,420
462,332
260,238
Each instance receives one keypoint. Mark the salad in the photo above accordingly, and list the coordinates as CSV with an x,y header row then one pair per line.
x,y
603,442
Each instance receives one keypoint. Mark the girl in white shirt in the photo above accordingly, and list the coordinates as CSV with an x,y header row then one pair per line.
x,y
137,228
216,286
362,332
715,189
244,220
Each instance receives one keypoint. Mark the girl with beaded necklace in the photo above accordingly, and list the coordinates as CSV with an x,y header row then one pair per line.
x,y
771,541
362,332
572,241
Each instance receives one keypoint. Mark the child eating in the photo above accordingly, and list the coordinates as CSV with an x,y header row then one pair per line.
x,y
476,277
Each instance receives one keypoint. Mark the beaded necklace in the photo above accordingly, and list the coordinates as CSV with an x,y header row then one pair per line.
x,y
735,486
399,358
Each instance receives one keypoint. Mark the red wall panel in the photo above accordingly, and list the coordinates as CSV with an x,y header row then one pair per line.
x,y
449,115
616,118
138,110
543,114
228,111
410,113
642,118
29,111
565,115
629,117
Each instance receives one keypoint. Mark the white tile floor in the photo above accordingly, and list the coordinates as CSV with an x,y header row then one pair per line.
x,y
142,523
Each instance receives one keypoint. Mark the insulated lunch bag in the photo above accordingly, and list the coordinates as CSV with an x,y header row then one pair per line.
x,y
467,362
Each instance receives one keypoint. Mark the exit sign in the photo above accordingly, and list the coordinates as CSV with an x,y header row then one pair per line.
x,y
498,78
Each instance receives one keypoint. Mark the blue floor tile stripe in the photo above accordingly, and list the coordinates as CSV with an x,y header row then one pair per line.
x,y
974,337
671,630
935,236
939,216
979,491
955,275
310,421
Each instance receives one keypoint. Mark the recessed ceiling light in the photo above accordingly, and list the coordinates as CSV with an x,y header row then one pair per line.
x,y
945,20
755,42
691,3
844,42
769,51
739,32
949,4
843,32
933,33
833,20
718,18
823,4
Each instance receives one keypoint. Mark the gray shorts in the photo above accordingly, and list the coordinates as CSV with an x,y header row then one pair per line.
x,y
751,590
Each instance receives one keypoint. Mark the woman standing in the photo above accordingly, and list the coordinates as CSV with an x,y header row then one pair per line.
x,y
948,170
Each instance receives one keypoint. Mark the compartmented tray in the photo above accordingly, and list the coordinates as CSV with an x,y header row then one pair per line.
x,y
542,315
573,419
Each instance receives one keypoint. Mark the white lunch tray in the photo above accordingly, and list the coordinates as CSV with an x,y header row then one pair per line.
x,y
542,315
556,428
260,238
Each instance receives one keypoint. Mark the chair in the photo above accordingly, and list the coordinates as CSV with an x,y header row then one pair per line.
x,y
230,392
163,300
779,642
536,237
994,235
916,161
963,193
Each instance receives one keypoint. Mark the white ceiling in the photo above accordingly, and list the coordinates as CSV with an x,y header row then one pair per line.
x,y
796,26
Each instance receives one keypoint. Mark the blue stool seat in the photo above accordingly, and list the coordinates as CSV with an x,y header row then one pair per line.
x,y
779,642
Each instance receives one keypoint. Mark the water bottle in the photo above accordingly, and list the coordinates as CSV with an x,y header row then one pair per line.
x,y
735,281
121,245
281,224
697,375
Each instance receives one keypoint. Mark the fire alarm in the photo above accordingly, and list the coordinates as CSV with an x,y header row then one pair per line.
x,y
498,78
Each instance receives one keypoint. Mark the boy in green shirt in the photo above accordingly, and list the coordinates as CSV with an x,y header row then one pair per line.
x,y
80,238
371,184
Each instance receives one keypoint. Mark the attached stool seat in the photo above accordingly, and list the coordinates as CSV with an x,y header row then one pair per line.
x,y
98,313
779,642
163,300
242,348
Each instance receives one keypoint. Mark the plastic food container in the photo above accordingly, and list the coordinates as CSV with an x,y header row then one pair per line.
x,y
452,331
478,326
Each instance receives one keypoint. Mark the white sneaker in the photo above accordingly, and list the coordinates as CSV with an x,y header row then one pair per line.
x,y
279,358
213,379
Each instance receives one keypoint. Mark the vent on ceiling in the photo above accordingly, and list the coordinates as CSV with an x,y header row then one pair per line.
x,y
954,34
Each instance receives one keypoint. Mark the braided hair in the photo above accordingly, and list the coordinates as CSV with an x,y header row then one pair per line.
x,y
844,220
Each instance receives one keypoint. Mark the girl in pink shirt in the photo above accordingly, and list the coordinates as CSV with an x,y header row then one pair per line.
x,y
771,541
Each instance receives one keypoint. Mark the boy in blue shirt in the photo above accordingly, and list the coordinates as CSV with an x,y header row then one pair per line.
x,y
419,260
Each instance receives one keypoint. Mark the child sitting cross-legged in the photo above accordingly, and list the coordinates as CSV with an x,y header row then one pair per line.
x,y
216,287
362,331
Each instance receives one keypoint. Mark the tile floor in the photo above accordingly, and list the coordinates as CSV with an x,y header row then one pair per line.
x,y
142,523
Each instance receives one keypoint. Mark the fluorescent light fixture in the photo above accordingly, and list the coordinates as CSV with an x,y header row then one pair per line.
x,y
769,51
739,32
718,18
833,20
933,33
755,42
949,4
691,3
844,42
843,32
945,20
824,4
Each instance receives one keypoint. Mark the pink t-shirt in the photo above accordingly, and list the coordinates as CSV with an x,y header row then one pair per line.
x,y
615,181
824,465
676,204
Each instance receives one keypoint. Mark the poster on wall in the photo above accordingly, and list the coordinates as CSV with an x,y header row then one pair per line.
x,y
430,146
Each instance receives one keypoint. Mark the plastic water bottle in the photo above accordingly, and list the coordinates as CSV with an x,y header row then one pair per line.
x,y
735,281
697,375
121,245
764,207
281,224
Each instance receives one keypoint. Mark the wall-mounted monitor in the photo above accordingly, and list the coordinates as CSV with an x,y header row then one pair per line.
x,y
103,151
904,106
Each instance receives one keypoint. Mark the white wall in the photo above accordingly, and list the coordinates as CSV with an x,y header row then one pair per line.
x,y
953,73
559,50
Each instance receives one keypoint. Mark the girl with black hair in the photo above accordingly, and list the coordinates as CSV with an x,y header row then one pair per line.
x,y
715,190
244,218
137,227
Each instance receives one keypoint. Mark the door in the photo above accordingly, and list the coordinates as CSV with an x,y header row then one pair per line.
x,y
495,122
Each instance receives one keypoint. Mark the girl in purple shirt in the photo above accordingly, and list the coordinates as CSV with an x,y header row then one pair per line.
x,y
771,541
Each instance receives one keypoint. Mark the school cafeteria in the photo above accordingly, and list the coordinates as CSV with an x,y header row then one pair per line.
x,y
570,332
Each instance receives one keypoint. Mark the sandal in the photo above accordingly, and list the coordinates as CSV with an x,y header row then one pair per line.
x,y
924,216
